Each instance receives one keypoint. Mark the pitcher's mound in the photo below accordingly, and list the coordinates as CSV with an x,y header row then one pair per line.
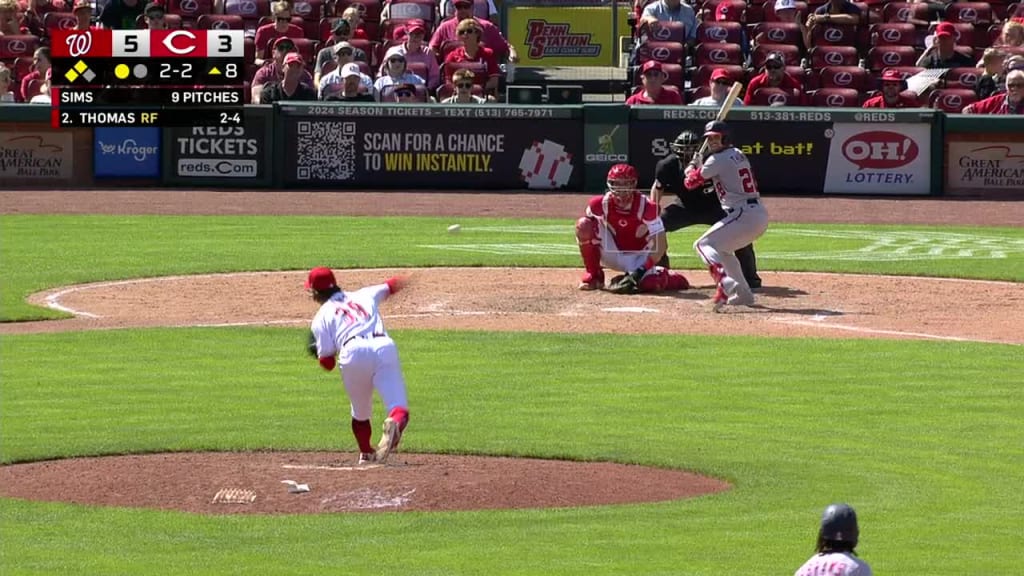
x,y
252,482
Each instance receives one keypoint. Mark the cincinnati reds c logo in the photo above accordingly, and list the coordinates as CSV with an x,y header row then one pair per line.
x,y
169,42
79,44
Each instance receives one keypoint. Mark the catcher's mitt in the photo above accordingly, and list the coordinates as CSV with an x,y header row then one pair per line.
x,y
311,344
624,284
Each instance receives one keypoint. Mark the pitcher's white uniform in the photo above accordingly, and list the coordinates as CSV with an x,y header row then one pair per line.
x,y
349,325
834,564
746,220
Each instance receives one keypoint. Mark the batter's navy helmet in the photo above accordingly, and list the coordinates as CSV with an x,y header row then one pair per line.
x,y
839,523
720,128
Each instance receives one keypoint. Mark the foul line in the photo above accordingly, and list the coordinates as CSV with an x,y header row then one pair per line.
x,y
849,328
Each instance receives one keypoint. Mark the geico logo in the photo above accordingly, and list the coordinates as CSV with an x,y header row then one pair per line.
x,y
891,58
661,53
718,55
777,34
833,34
717,33
834,58
843,79
891,35
607,158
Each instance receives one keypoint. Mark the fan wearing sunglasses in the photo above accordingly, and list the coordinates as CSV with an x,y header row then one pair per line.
x,y
396,73
281,27
416,51
463,81
404,94
719,85
490,35
775,76
1012,102
472,50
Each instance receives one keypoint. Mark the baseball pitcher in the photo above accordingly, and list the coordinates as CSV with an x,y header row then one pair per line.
x,y
837,538
348,326
745,217
623,231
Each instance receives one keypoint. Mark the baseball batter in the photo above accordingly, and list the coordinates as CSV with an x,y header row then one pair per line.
x,y
837,538
623,231
348,326
745,217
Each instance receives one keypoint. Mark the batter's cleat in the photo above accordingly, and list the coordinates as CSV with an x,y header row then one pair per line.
x,y
719,301
591,282
389,441
367,458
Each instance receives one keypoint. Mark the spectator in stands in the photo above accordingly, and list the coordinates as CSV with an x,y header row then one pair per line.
x,y
6,79
404,94
121,14
281,27
671,11
10,18
1010,103
1012,35
155,16
417,52
463,81
43,97
291,85
395,72
40,66
654,91
335,77
341,32
892,95
774,76
354,16
785,11
32,20
490,35
470,32
448,10
991,62
840,12
943,52
719,85
83,14
351,88
273,69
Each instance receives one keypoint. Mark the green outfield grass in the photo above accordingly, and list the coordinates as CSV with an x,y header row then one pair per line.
x,y
923,438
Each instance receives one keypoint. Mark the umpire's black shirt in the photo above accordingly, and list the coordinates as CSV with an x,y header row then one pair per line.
x,y
670,172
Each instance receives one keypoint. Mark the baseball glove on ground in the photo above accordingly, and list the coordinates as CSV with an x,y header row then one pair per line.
x,y
624,284
311,344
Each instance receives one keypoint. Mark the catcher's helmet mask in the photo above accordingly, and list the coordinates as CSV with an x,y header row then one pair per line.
x,y
622,180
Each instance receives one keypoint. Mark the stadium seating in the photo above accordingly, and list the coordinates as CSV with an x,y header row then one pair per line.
x,y
220,22
718,53
833,56
836,98
881,57
448,90
668,32
852,77
777,33
905,11
963,78
729,32
665,52
893,34
790,54
833,35
952,100
13,47
773,96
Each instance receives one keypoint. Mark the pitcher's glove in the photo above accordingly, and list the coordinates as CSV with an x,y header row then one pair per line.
x,y
627,283
311,344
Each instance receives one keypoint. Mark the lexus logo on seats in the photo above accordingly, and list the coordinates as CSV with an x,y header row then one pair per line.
x,y
833,34
661,32
892,35
843,79
776,34
718,55
891,58
717,33
661,54
834,58
777,99
835,101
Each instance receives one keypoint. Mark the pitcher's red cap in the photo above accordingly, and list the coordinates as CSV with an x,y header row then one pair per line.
x,y
321,279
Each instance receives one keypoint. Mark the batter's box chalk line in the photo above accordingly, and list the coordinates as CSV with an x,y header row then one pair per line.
x,y
234,496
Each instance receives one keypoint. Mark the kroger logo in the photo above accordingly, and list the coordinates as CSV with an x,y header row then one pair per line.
x,y
834,58
892,35
128,148
833,34
891,58
718,55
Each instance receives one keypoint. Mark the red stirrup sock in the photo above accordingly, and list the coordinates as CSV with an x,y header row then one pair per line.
x,y
362,430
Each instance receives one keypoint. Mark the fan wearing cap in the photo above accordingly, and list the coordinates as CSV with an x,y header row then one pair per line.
x,y
401,93
1011,102
893,94
348,332
719,85
395,72
472,51
943,53
291,85
785,11
834,553
83,15
350,86
491,13
653,90
416,51
489,35
121,14
273,69
774,76
341,32
281,27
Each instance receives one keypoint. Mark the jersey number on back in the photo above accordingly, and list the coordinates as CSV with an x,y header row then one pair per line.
x,y
353,312
747,181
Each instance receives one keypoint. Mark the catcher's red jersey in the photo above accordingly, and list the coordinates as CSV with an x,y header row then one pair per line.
x,y
625,225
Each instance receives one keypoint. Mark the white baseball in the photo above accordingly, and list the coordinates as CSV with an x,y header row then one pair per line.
x,y
454,228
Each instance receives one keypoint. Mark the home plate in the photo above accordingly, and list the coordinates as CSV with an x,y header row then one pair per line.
x,y
630,309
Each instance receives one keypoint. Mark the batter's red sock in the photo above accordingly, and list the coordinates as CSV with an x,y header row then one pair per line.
x,y
362,430
400,414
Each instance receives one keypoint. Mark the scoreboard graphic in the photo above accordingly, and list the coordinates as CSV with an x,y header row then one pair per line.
x,y
147,77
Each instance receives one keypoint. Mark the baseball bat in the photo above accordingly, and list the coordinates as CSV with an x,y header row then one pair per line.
x,y
734,93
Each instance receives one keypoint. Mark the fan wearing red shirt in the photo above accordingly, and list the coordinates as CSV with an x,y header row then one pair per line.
x,y
281,27
654,91
469,33
892,95
40,65
1012,102
774,76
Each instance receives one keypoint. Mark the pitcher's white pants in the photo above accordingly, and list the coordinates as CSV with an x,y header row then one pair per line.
x,y
368,363
718,246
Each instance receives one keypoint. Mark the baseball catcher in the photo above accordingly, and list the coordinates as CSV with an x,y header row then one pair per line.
x,y
700,206
837,539
622,231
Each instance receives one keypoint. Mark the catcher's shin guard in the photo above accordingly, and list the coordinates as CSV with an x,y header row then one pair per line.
x,y
589,240
655,281
676,281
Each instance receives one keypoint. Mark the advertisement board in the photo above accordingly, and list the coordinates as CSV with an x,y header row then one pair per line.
x,y
577,33
880,159
221,155
43,157
126,152
395,146
984,162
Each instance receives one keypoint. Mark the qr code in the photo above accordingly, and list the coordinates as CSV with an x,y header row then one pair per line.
x,y
326,151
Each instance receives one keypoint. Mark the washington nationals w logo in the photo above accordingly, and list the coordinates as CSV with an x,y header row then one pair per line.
x,y
79,44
